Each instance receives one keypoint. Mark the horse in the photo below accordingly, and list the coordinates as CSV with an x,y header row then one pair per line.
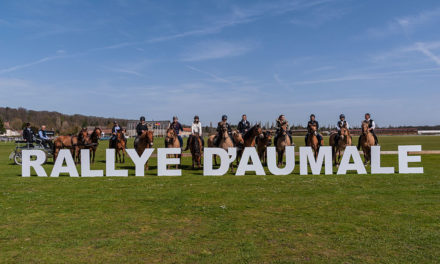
x,y
120,147
172,141
94,142
367,141
262,144
196,150
312,140
343,142
83,142
145,141
249,138
225,142
282,141
62,142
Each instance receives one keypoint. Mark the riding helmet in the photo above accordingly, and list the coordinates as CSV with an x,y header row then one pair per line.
x,y
175,118
342,116
196,117
312,115
224,117
142,118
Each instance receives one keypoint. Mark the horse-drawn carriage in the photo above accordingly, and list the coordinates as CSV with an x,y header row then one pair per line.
x,y
21,145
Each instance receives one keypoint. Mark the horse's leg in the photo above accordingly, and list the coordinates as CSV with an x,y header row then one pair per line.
x,y
123,155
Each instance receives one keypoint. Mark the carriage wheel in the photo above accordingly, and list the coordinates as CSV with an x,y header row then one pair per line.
x,y
17,157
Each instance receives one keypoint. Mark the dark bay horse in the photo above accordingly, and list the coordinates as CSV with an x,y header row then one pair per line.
x,y
94,142
196,150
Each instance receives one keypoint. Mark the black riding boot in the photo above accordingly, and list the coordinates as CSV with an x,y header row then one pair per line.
x,y
359,142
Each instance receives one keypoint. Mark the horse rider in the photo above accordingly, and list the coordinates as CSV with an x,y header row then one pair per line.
x,y
115,130
196,129
140,127
280,122
341,123
313,122
219,130
371,127
244,125
28,134
45,140
177,128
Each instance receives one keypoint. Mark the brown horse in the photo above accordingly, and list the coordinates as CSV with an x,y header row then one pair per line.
x,y
120,146
312,140
367,141
343,142
282,141
249,139
94,142
172,141
145,141
262,144
62,142
196,150
83,142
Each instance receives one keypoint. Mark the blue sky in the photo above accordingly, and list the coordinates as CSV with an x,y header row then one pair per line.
x,y
263,58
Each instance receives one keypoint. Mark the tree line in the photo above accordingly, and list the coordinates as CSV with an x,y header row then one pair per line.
x,y
60,123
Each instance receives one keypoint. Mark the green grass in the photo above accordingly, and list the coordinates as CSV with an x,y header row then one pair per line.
x,y
195,219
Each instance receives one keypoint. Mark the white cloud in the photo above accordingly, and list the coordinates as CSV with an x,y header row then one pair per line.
x,y
405,25
209,50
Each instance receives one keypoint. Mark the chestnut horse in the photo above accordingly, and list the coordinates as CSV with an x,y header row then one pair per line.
x,y
312,140
366,142
62,142
343,142
145,141
196,150
120,146
262,144
172,141
283,140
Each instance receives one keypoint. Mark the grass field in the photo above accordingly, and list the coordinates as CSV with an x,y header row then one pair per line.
x,y
252,219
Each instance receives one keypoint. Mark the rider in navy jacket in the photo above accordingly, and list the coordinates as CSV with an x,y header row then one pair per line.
x,y
244,125
311,123
177,128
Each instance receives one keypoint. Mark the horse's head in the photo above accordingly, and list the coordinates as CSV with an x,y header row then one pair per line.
x,y
365,128
283,130
82,135
258,131
313,128
238,138
97,132
268,136
224,130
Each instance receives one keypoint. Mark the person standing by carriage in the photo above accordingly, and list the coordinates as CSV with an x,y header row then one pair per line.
x,y
28,134
177,128
371,127
196,129
45,140
220,124
341,123
313,122
244,125
140,128
280,122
